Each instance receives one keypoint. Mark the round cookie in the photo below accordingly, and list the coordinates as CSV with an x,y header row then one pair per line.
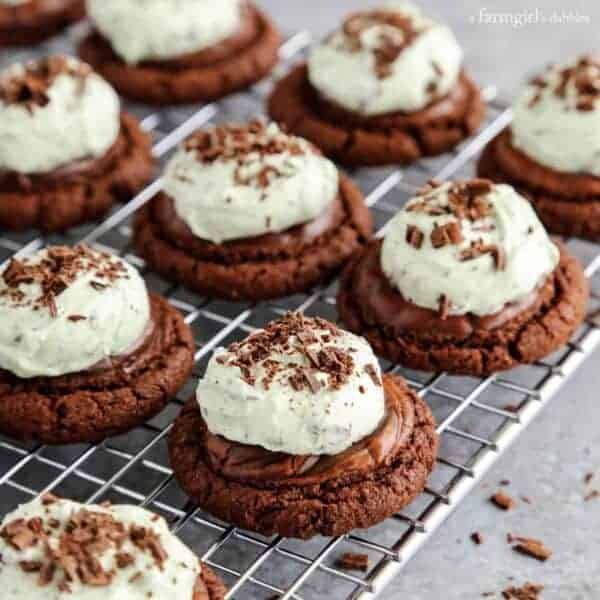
x,y
550,151
184,55
387,88
249,213
465,292
367,443
28,22
57,168
53,548
86,352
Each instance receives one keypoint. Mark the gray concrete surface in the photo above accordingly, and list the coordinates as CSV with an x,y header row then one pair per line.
x,y
549,462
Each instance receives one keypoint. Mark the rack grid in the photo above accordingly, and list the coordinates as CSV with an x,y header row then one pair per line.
x,y
478,418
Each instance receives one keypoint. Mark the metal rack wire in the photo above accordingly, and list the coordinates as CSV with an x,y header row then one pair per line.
x,y
478,418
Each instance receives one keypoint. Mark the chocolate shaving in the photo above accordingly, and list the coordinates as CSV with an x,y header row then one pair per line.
x,y
55,271
503,501
294,333
353,562
414,236
529,591
28,84
583,78
74,554
371,371
479,248
444,307
399,33
76,318
532,547
249,145
477,538
313,383
448,234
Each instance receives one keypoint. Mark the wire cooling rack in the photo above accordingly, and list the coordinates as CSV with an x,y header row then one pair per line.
x,y
478,418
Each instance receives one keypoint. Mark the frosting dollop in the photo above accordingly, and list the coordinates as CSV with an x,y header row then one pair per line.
x,y
467,248
387,60
299,386
54,112
64,310
55,549
234,182
161,29
556,119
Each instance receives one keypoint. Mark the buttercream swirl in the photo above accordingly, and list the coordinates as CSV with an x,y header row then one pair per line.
x,y
55,549
301,386
55,112
243,181
467,248
387,60
556,119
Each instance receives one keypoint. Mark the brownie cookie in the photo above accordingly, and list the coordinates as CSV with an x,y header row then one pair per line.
x,y
551,151
177,52
295,432
28,22
465,281
85,351
53,548
386,88
250,213
67,153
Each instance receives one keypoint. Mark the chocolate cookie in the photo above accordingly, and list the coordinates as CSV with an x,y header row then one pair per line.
x,y
428,340
108,399
370,141
234,64
82,191
34,21
567,203
268,266
303,496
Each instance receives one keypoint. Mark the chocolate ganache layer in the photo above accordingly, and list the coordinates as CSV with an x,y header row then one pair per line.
x,y
260,467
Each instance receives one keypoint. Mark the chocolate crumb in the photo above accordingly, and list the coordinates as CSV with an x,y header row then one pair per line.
x,y
531,547
588,477
414,236
124,560
592,495
448,234
76,318
529,591
353,562
503,501
477,538
371,371
313,383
